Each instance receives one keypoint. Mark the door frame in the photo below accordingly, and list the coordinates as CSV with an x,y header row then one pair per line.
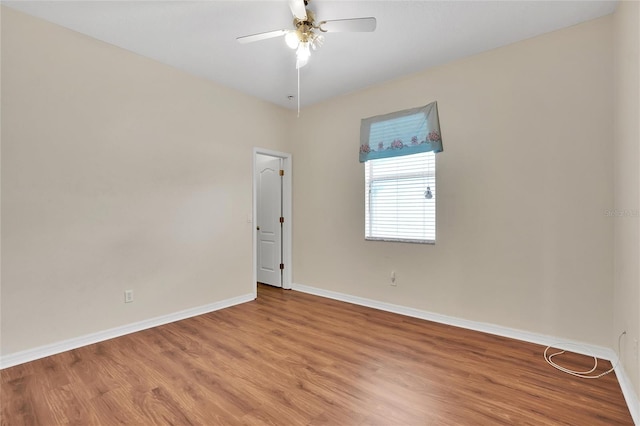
x,y
286,212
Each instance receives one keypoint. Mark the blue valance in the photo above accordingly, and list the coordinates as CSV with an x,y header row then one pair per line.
x,y
401,133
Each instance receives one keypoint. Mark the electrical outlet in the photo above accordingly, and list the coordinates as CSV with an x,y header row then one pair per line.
x,y
393,278
128,296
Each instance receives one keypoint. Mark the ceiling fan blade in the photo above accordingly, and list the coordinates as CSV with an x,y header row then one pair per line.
x,y
261,36
349,25
298,9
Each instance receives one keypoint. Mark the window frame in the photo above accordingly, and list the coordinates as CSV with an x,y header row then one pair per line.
x,y
429,174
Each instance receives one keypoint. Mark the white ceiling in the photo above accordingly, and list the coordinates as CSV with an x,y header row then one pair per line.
x,y
199,37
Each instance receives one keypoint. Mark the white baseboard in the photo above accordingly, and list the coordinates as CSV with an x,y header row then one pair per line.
x,y
541,339
21,357
633,402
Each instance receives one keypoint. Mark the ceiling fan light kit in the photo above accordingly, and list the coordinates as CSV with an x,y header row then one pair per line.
x,y
304,38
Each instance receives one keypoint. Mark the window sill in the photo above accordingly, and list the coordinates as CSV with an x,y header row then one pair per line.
x,y
399,240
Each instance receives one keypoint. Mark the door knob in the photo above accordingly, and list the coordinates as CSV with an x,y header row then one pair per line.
x,y
258,228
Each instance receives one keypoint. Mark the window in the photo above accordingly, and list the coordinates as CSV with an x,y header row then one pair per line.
x,y
400,198
399,151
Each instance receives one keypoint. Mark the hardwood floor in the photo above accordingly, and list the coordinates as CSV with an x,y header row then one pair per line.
x,y
290,358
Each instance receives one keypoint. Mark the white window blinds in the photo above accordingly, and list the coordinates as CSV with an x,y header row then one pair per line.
x,y
400,200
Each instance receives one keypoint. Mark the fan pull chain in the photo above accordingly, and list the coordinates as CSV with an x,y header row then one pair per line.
x,y
298,92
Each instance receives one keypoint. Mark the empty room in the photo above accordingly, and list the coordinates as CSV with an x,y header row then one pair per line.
x,y
298,212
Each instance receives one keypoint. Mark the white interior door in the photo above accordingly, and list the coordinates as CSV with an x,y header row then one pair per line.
x,y
269,227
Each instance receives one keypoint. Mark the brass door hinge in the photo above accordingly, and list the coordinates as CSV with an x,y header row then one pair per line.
x,y
281,219
281,172
282,266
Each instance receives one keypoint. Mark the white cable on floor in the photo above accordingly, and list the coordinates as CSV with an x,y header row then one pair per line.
x,y
581,374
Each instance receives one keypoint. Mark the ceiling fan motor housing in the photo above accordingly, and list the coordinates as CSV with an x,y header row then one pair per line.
x,y
304,28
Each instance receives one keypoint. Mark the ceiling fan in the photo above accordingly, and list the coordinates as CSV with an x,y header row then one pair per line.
x,y
307,32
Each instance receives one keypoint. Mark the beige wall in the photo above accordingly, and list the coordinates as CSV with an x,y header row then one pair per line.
x,y
626,220
118,173
523,184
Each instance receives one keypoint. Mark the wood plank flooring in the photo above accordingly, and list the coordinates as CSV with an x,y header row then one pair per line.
x,y
290,358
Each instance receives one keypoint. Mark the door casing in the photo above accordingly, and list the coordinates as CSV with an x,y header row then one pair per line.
x,y
286,210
